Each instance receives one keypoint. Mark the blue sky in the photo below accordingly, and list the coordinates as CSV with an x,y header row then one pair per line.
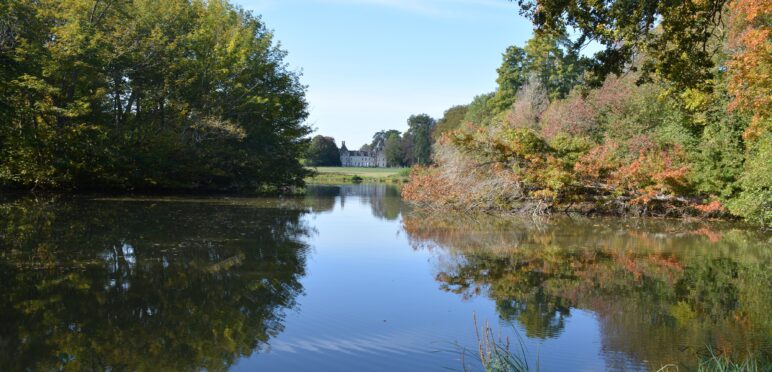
x,y
370,64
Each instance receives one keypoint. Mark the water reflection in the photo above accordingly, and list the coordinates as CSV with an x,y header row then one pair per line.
x,y
145,285
662,291
384,200
203,283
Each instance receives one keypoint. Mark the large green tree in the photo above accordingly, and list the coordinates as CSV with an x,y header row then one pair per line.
x,y
145,94
682,50
380,137
323,152
479,110
420,130
550,59
451,119
393,150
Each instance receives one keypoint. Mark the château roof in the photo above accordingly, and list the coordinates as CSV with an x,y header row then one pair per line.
x,y
355,153
358,153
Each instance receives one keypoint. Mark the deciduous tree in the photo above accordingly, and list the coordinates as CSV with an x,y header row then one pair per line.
x,y
420,128
323,152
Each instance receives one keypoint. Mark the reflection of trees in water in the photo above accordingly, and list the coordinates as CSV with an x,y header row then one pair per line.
x,y
384,200
662,290
321,198
143,285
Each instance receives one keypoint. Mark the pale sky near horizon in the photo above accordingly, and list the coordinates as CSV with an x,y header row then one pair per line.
x,y
370,64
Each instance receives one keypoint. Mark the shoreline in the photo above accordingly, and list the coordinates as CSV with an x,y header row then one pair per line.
x,y
613,208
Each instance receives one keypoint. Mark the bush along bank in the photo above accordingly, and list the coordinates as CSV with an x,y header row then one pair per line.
x,y
621,149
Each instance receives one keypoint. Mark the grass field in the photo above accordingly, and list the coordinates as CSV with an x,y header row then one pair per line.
x,y
356,174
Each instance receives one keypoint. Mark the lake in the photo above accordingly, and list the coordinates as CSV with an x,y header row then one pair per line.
x,y
348,278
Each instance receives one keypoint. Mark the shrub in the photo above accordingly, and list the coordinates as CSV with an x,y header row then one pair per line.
x,y
754,201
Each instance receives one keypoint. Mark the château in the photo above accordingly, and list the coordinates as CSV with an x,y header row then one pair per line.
x,y
373,158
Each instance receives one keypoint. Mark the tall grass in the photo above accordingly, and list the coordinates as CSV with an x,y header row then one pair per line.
x,y
722,363
496,354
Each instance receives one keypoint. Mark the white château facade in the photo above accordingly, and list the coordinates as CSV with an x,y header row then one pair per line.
x,y
375,158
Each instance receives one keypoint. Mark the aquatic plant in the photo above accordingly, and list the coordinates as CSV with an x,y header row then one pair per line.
x,y
495,353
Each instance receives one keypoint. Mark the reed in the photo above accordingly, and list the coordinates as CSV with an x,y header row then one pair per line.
x,y
495,353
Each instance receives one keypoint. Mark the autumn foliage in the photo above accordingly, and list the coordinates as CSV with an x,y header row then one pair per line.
x,y
603,160
638,143
750,66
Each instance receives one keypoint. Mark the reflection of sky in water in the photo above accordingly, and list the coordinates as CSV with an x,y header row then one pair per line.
x,y
372,303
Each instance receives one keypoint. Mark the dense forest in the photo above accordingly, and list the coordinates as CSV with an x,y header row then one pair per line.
x,y
670,118
145,94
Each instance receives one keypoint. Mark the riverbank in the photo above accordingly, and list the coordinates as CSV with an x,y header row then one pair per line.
x,y
351,175
588,205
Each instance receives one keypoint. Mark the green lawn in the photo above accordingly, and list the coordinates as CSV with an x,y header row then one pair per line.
x,y
346,174
361,172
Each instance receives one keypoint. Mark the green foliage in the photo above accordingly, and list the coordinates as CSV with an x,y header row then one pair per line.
x,y
451,120
722,363
523,142
719,158
638,113
680,50
380,137
555,62
512,75
323,152
496,355
146,94
393,150
550,60
420,130
479,110
754,202
665,147
570,148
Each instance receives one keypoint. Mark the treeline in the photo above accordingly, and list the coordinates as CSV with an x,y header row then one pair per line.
x,y
670,118
400,149
409,148
145,94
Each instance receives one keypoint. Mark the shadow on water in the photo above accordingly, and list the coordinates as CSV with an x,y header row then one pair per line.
x,y
662,291
144,284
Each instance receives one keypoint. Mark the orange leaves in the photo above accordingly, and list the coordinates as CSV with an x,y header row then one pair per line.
x,y
750,69
712,207
492,168
426,187
597,163
654,173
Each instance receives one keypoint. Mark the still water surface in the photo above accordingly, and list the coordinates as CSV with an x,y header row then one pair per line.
x,y
346,278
